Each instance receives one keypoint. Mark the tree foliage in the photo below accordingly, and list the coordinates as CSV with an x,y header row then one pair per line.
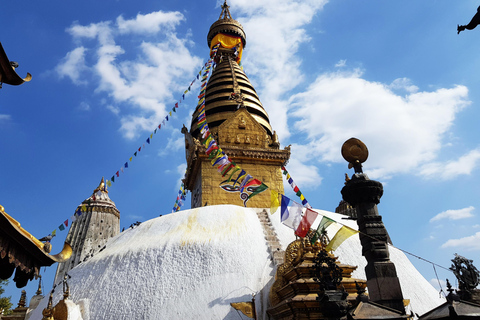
x,y
5,303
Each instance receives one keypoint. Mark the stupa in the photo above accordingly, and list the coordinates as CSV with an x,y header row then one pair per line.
x,y
203,262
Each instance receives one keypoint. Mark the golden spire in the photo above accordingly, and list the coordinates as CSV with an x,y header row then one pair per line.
x,y
226,25
225,12
39,291
101,187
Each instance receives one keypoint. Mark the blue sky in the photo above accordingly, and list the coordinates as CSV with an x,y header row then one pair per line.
x,y
394,74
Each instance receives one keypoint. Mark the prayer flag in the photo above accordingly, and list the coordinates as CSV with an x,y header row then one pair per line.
x,y
174,110
135,154
61,227
262,187
176,105
244,182
295,189
186,91
170,113
343,234
151,135
113,179
307,220
126,164
148,140
130,159
291,213
274,203
233,172
54,232
241,174
159,126
84,208
140,148
66,223
290,180
118,174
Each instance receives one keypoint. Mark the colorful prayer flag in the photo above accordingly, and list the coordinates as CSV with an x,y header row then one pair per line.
x,y
126,164
61,227
54,232
343,234
262,187
307,220
291,213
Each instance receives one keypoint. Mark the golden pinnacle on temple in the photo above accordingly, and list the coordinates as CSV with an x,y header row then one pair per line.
x,y
101,187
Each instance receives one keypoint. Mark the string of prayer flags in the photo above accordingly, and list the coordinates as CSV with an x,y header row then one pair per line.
x,y
343,234
295,188
149,139
180,197
308,219
324,223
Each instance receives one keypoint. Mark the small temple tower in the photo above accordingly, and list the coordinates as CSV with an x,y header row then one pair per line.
x,y
97,220
238,122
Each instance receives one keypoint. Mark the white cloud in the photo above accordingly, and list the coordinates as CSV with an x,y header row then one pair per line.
x,y
149,23
5,117
282,24
84,106
73,66
400,132
450,169
470,243
176,142
438,284
403,84
306,176
132,78
454,214
341,64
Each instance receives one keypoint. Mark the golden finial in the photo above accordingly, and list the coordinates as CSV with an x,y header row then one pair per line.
x,y
23,300
355,152
39,290
101,187
225,12
49,311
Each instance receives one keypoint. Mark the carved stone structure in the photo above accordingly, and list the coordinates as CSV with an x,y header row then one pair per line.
x,y
364,194
296,294
240,125
99,221
468,278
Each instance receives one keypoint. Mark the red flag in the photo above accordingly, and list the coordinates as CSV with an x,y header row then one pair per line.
x,y
118,174
139,148
307,221
66,223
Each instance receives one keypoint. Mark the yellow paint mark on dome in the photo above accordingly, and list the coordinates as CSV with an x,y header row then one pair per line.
x,y
193,231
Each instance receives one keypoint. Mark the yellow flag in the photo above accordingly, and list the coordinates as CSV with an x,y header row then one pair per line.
x,y
151,135
302,197
343,234
288,176
274,202
170,113
84,208
109,183
131,158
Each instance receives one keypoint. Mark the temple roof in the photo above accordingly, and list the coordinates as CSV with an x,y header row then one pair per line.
x,y
7,71
22,253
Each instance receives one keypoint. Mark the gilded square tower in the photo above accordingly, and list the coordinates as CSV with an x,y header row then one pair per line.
x,y
239,124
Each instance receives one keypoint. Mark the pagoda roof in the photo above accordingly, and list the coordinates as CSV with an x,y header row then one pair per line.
x,y
22,253
7,71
